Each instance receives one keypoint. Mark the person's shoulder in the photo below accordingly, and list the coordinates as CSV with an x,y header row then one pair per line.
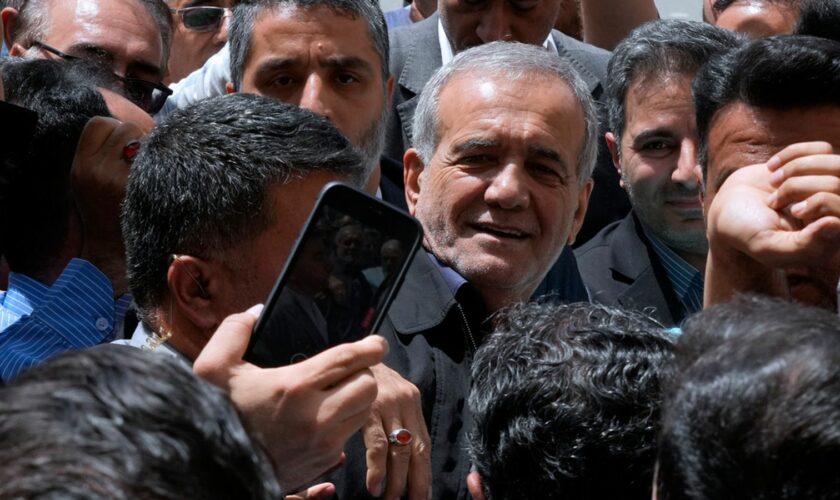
x,y
593,59
600,245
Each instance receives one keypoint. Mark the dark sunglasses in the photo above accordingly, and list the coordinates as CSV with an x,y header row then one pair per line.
x,y
148,96
202,18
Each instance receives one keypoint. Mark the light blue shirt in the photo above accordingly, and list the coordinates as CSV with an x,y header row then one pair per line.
x,y
38,322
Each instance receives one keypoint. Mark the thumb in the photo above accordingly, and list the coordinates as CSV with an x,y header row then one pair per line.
x,y
226,346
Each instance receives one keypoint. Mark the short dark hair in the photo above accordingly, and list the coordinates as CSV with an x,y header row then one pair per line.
x,y
819,18
754,410
564,394
781,72
246,13
655,49
33,21
39,190
117,422
200,183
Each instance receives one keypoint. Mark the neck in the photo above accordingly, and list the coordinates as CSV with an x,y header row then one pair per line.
x,y
373,182
186,337
495,300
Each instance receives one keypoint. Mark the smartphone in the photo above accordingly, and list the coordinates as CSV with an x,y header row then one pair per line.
x,y
336,286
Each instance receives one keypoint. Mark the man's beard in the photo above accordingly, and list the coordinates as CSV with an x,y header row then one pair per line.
x,y
370,146
650,212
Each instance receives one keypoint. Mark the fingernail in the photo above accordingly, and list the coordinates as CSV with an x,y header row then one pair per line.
x,y
771,200
256,310
798,208
774,163
777,177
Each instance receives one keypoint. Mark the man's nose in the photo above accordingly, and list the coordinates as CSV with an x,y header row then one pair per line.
x,y
495,24
508,189
687,171
314,96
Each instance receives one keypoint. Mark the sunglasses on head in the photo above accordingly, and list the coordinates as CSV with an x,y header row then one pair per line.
x,y
202,18
148,96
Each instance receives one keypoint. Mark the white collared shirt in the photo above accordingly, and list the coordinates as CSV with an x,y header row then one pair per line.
x,y
446,54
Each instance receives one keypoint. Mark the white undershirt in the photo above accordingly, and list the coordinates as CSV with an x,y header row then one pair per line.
x,y
446,54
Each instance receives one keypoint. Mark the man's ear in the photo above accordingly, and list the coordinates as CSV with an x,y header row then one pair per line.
x,y
413,169
195,287
229,88
580,211
612,145
8,16
475,486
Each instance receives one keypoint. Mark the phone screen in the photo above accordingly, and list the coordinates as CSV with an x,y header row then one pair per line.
x,y
339,280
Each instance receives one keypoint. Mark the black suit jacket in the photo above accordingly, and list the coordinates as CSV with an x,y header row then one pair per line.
x,y
619,267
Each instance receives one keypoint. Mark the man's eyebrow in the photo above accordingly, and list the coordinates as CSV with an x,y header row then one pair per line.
x,y
546,154
348,62
277,63
104,55
652,133
475,143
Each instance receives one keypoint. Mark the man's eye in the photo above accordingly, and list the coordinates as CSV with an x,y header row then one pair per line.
x,y
544,171
346,78
282,81
524,5
477,159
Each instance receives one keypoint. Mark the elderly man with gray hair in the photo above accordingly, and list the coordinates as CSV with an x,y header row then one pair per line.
x,y
500,179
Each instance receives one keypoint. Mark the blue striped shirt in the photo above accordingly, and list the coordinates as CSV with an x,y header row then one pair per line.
x,y
686,281
38,322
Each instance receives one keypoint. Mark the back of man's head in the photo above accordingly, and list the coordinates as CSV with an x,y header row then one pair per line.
x,y
249,11
119,423
566,403
756,17
819,18
657,50
200,184
754,409
37,228
780,73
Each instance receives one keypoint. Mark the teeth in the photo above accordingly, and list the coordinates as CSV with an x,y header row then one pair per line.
x,y
507,232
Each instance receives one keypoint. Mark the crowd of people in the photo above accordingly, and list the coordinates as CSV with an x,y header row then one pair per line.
x,y
627,286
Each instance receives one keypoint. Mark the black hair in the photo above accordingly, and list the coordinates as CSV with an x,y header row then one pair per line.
x,y
819,18
200,183
38,196
565,400
754,411
781,72
115,422
657,48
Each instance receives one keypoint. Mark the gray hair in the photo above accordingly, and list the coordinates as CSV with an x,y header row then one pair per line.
x,y
513,61
246,13
657,48
33,21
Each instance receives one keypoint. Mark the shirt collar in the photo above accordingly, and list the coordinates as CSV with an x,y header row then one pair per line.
x,y
446,54
146,339
24,294
450,276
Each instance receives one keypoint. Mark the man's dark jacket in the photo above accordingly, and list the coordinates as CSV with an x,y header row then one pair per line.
x,y
432,338
620,267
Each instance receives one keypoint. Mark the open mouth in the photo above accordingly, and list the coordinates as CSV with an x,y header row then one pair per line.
x,y
501,232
